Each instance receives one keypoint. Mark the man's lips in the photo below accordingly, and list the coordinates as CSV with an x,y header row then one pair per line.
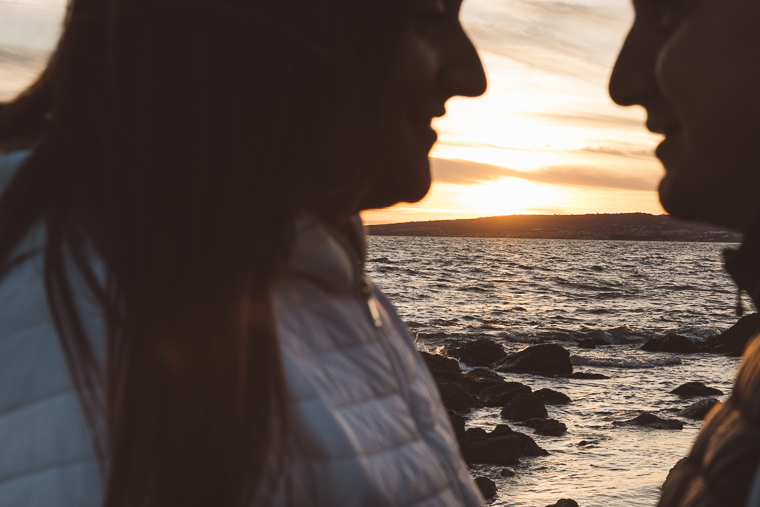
x,y
665,129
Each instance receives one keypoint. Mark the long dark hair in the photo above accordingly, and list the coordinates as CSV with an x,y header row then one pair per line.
x,y
175,141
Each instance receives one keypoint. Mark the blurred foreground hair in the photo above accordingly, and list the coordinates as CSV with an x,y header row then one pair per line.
x,y
175,141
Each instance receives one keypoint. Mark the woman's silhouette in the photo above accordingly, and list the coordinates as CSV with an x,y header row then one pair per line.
x,y
184,316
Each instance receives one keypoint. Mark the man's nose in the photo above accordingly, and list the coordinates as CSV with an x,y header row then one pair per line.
x,y
633,77
463,72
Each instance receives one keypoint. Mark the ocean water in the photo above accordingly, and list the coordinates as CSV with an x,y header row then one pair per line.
x,y
519,292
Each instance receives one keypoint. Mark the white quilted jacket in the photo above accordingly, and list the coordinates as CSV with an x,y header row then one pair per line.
x,y
368,424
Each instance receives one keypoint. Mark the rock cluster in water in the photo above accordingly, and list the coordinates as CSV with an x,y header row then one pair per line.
x,y
731,342
699,409
483,386
652,421
693,389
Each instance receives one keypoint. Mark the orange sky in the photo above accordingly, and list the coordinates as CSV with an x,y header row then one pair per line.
x,y
545,138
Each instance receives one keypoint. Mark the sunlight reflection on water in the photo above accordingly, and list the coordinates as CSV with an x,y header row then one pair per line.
x,y
525,291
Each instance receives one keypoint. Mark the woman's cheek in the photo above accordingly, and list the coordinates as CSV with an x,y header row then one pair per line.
x,y
418,64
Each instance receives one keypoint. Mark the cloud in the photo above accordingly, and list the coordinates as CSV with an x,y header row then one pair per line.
x,y
563,37
22,58
464,172
586,120
620,152
18,68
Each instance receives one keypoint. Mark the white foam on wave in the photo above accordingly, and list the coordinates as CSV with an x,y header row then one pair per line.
x,y
624,363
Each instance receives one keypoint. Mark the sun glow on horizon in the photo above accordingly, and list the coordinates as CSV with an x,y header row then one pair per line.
x,y
510,196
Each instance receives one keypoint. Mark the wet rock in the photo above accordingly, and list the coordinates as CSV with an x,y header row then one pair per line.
x,y
484,374
691,389
601,337
487,487
699,409
506,472
501,394
457,423
652,421
564,502
552,397
587,344
582,375
544,359
471,384
501,430
623,335
674,343
735,338
524,406
454,397
482,352
439,363
502,446
547,427
476,433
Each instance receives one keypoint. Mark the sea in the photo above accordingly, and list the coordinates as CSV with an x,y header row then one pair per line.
x,y
520,292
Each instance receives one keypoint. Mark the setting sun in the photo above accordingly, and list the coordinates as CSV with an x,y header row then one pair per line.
x,y
509,196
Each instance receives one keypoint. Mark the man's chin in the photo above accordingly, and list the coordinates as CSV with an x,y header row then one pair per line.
x,y
705,204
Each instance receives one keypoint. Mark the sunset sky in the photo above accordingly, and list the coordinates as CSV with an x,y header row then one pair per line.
x,y
545,138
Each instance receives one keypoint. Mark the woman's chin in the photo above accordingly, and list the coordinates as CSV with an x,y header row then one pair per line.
x,y
387,193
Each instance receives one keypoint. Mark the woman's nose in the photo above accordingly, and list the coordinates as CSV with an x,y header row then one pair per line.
x,y
463,72
633,77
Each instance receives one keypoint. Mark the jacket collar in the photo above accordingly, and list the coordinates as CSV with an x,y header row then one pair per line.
x,y
333,260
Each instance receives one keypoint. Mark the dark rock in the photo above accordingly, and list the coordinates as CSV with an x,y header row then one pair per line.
x,y
475,352
564,502
691,389
584,443
476,433
457,423
484,374
440,363
502,446
506,472
547,427
699,409
652,421
505,450
588,376
487,487
501,430
552,397
674,343
544,359
524,406
652,345
587,344
734,339
454,397
501,394
471,384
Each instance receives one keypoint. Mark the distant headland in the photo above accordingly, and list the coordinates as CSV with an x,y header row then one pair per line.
x,y
608,226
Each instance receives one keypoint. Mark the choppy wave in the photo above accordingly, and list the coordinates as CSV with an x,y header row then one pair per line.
x,y
521,292
625,363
